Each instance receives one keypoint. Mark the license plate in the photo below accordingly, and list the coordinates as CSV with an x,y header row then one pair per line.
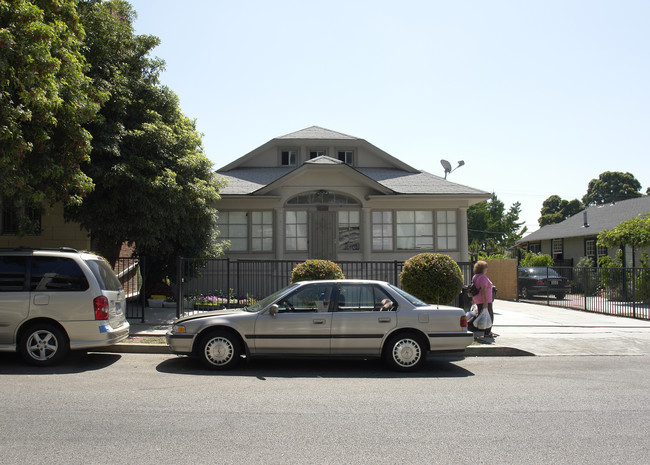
x,y
555,282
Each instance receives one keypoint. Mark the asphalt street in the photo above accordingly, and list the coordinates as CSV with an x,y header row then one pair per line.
x,y
104,408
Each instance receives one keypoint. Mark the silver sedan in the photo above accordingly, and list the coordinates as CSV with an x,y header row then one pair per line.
x,y
337,318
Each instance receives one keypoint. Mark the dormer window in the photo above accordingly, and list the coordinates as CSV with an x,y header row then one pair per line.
x,y
317,153
288,157
346,156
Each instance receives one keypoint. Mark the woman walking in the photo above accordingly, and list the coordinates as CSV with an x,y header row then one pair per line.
x,y
485,294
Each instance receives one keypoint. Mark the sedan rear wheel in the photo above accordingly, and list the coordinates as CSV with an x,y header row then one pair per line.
x,y
220,350
405,352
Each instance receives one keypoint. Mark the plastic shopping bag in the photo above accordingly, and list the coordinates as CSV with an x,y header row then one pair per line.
x,y
483,321
473,313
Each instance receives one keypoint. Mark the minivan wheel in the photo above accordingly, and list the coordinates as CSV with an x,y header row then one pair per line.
x,y
220,350
405,352
43,344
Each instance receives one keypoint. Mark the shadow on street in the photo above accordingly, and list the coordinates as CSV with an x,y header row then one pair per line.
x,y
75,362
263,368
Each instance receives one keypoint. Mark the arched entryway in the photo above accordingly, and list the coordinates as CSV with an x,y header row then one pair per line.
x,y
322,223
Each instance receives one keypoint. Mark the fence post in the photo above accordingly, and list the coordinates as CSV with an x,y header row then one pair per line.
x,y
228,282
395,273
143,294
180,278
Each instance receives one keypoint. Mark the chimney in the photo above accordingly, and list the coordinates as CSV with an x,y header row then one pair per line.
x,y
584,217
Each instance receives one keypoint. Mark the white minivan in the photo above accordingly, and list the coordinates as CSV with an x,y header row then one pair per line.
x,y
56,300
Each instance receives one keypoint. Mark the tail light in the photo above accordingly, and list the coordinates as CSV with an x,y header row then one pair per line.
x,y
540,283
463,321
101,308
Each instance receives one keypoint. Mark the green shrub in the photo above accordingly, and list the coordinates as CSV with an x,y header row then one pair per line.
x,y
313,270
435,278
537,259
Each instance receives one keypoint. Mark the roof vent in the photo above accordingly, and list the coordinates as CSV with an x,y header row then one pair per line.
x,y
584,217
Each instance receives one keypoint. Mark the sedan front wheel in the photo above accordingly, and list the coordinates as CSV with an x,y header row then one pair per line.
x,y
220,350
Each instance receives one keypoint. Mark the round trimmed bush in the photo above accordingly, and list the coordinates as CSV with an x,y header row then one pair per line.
x,y
432,277
313,270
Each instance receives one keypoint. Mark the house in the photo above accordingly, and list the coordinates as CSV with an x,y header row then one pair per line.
x,y
50,230
318,193
567,242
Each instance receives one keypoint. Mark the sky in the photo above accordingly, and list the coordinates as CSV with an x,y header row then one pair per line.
x,y
536,97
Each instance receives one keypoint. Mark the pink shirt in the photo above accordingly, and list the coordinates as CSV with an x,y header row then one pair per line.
x,y
481,281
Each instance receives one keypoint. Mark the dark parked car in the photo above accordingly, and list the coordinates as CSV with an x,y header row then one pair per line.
x,y
539,280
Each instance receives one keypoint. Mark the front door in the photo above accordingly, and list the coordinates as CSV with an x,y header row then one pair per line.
x,y
323,240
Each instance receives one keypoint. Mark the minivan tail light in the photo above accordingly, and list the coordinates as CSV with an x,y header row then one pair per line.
x,y
463,321
101,307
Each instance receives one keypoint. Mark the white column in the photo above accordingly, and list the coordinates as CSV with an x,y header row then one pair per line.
x,y
366,233
463,238
279,233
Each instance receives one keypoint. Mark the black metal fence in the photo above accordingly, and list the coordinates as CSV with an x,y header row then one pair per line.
x,y
206,283
611,291
130,272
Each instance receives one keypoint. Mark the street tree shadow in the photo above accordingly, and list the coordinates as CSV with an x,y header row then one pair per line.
x,y
264,368
75,362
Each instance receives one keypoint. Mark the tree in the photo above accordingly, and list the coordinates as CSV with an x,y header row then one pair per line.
x,y
555,210
612,186
634,232
490,225
154,185
45,101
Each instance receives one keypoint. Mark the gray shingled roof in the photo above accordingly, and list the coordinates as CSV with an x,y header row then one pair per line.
x,y
316,132
598,217
242,181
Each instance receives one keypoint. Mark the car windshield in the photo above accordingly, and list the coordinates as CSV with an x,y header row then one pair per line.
x,y
261,304
414,300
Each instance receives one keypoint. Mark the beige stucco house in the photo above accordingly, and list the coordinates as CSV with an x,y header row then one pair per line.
x,y
317,193
50,230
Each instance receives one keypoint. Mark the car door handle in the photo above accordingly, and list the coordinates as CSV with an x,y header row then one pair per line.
x,y
319,322
385,320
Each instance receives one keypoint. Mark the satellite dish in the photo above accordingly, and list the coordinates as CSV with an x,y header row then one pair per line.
x,y
447,166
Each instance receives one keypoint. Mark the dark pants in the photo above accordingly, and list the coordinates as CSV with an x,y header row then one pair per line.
x,y
491,312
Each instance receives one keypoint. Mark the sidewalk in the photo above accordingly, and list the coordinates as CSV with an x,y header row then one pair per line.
x,y
524,329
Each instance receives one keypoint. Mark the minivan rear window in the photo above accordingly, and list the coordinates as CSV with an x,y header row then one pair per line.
x,y
104,275
57,274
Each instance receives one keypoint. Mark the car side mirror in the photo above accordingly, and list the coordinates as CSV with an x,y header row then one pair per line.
x,y
273,309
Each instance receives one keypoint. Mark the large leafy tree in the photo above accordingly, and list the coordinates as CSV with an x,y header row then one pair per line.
x,y
612,186
154,185
491,227
555,210
45,101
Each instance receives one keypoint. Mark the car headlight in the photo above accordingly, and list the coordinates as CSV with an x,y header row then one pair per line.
x,y
178,329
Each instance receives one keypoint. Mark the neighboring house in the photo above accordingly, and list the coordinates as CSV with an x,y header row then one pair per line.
x,y
567,242
317,193
49,229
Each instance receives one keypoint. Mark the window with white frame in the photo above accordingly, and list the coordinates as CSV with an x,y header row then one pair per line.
x,y
446,230
313,153
382,230
414,229
288,157
295,230
602,251
349,230
590,248
557,247
234,228
262,231
346,156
